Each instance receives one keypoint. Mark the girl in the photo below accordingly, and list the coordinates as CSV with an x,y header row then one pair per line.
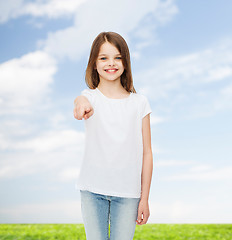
x,y
116,171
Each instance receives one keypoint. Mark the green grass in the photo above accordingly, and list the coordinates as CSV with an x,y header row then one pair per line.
x,y
143,232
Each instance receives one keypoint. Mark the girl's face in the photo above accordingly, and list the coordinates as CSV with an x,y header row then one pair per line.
x,y
109,63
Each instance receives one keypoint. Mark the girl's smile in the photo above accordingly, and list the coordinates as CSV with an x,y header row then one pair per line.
x,y
111,70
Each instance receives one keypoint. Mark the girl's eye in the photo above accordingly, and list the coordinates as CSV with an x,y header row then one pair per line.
x,y
104,58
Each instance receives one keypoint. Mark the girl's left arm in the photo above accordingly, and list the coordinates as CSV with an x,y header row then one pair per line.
x,y
147,170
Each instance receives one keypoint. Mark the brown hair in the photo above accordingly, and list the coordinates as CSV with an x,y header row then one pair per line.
x,y
91,75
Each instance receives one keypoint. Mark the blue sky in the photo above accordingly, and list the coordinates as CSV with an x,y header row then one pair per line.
x,y
181,60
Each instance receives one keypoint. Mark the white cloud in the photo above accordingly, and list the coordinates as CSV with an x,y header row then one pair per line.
x,y
25,85
190,85
227,91
203,167
9,9
193,69
209,174
156,149
48,8
69,174
54,212
52,8
51,140
180,211
156,120
76,40
220,73
172,162
58,120
25,81
167,9
45,152
224,99
14,127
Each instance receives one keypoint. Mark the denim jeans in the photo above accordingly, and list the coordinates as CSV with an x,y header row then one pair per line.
x,y
98,210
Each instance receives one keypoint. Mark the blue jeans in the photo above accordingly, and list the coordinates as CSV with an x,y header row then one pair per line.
x,y
98,210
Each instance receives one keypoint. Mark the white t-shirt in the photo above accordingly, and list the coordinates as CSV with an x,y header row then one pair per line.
x,y
113,155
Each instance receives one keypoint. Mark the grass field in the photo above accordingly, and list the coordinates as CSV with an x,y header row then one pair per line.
x,y
143,232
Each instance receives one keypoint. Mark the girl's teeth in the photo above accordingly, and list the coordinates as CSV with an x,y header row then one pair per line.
x,y
111,70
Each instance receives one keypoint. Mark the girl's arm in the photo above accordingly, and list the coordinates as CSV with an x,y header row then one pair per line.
x,y
147,158
147,170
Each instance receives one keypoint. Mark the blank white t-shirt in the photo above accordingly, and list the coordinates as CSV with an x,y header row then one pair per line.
x,y
113,155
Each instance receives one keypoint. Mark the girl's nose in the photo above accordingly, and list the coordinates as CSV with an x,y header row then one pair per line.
x,y
111,62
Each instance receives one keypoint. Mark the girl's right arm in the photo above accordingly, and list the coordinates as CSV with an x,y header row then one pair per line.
x,y
82,108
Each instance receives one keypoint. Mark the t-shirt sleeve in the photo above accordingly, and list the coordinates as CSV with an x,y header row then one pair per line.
x,y
89,94
146,108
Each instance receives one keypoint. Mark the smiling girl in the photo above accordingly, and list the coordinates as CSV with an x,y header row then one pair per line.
x,y
116,170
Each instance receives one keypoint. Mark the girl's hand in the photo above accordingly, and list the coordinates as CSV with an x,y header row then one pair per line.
x,y
82,108
143,212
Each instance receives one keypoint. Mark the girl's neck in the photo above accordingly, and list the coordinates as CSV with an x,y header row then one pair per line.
x,y
113,90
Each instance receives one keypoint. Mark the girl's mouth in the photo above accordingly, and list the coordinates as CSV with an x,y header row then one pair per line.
x,y
111,70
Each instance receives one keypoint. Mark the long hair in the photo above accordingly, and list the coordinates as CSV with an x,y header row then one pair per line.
x,y
91,75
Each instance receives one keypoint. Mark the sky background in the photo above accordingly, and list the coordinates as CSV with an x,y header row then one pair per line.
x,y
181,56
